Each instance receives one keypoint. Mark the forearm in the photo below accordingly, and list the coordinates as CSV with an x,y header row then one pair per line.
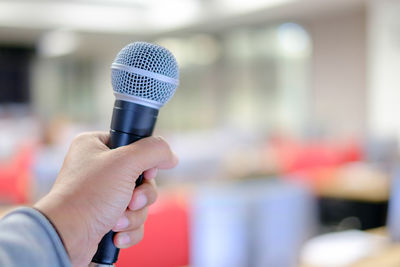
x,y
27,238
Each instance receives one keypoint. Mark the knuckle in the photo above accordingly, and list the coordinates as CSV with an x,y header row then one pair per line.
x,y
160,142
163,146
141,232
80,137
153,184
138,222
142,217
124,152
150,192
138,235
152,196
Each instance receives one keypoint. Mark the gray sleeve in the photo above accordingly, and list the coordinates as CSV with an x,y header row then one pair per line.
x,y
27,238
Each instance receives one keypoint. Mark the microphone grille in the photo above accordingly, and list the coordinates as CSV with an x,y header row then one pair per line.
x,y
145,71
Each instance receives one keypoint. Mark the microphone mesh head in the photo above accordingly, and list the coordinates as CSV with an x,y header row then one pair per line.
x,y
144,71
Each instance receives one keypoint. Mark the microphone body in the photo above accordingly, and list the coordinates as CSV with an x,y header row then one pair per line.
x,y
130,123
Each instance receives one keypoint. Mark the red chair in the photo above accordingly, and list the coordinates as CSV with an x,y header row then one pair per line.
x,y
166,238
15,177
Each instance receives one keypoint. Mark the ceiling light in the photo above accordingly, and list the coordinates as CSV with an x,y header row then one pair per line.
x,y
57,43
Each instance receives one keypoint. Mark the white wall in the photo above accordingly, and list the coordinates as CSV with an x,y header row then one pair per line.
x,y
384,68
338,93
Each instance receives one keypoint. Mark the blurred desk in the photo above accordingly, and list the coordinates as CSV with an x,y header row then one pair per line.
x,y
356,197
387,257
359,182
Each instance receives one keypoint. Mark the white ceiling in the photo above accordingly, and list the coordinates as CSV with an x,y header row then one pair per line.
x,y
122,16
26,20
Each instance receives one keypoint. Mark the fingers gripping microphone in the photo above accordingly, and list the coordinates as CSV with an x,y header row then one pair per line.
x,y
144,77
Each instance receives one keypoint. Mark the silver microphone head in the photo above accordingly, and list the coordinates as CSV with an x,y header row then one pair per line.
x,y
146,74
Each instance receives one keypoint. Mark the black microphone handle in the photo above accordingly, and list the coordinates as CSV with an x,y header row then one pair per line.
x,y
130,123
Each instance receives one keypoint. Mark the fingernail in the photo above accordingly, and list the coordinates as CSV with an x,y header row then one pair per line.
x,y
123,239
122,223
139,202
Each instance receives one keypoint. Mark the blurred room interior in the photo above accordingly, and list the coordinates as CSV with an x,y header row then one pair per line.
x,y
285,122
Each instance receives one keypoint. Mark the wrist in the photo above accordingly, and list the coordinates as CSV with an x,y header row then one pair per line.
x,y
69,225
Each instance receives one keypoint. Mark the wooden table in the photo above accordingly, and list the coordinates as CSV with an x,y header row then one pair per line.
x,y
388,257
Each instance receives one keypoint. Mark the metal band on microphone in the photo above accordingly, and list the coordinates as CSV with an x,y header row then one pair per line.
x,y
138,100
145,73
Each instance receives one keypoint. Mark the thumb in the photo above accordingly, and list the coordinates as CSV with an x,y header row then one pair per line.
x,y
147,153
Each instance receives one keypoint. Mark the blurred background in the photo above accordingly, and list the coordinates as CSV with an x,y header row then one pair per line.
x,y
286,122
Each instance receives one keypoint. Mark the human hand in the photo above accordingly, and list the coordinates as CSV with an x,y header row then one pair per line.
x,y
95,192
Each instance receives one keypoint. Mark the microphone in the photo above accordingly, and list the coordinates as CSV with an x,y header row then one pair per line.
x,y
144,77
